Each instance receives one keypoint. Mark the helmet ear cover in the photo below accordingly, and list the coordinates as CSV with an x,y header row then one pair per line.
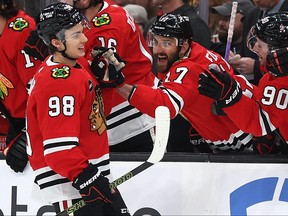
x,y
55,18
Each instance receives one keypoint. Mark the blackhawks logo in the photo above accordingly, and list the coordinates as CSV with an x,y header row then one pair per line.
x,y
104,19
63,72
19,24
5,84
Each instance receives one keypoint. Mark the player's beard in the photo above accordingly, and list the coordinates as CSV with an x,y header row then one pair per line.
x,y
169,62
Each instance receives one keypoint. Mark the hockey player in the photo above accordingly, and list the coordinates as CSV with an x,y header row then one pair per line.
x,y
180,61
66,129
112,27
16,70
263,109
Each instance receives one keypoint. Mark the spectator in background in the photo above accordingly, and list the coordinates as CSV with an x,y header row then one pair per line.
x,y
139,14
202,34
213,18
224,12
249,64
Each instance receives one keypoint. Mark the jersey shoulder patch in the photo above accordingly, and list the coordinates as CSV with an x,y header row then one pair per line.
x,y
61,72
18,24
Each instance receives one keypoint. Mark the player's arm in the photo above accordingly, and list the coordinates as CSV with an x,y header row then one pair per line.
x,y
236,101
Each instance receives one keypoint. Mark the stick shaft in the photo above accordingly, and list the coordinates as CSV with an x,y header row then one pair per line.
x,y
230,30
162,133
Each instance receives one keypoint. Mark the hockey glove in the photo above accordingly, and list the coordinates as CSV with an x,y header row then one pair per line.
x,y
15,152
219,86
106,66
93,186
266,144
277,62
35,47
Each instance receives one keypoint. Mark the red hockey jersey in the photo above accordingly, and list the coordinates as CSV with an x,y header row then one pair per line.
x,y
16,67
179,92
66,128
112,26
268,109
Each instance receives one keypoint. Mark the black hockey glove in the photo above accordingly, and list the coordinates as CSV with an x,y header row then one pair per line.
x,y
93,186
15,152
266,144
35,47
107,66
277,62
219,86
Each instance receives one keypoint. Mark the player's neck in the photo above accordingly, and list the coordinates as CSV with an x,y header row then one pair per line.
x,y
59,58
3,22
92,11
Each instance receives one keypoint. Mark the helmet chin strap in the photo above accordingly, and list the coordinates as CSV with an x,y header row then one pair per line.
x,y
64,54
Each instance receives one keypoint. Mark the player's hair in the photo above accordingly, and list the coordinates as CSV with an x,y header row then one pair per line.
x,y
8,9
54,19
171,25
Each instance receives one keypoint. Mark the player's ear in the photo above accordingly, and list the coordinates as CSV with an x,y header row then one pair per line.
x,y
184,49
56,43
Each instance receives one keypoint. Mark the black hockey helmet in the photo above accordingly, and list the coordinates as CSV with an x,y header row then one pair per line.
x,y
171,25
273,30
55,18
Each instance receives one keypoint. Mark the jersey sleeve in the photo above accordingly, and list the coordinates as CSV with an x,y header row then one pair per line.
x,y
247,113
177,88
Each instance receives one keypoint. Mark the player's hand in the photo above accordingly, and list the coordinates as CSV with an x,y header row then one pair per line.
x,y
15,152
219,86
35,47
107,66
277,62
93,186
266,144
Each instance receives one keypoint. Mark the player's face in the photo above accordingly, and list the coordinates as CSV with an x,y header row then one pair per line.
x,y
165,52
75,41
261,49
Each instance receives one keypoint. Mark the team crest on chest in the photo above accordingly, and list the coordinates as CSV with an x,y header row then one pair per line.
x,y
103,19
19,24
63,72
5,84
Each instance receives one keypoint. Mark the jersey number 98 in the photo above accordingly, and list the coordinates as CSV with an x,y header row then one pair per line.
x,y
64,104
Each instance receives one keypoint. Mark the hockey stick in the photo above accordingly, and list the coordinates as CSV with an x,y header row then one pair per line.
x,y
162,117
230,30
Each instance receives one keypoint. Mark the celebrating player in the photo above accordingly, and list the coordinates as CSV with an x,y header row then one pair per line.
x,y
263,109
112,27
180,61
16,70
66,128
